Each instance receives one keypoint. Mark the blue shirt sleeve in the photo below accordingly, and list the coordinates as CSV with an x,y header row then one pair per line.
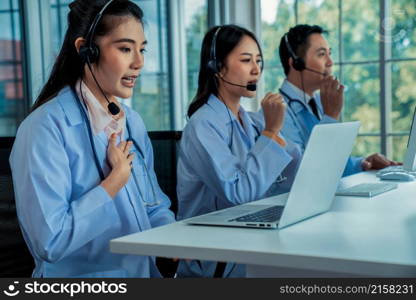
x,y
292,132
55,222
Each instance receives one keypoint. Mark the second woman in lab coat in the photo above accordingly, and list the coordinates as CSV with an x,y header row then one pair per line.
x,y
226,157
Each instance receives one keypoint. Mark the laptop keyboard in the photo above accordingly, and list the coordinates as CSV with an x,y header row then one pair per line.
x,y
270,214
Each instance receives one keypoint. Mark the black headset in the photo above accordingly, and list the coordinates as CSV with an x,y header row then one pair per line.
x,y
298,62
213,65
90,53
299,65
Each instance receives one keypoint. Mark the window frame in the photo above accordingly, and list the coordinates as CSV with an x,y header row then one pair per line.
x,y
385,77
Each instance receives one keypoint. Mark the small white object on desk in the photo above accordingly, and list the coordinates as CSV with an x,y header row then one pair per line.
x,y
367,189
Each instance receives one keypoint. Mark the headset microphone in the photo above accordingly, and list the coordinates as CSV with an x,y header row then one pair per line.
x,y
112,107
250,86
214,66
317,72
90,53
298,62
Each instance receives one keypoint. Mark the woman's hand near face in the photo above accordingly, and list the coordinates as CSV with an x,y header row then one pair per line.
x,y
274,112
120,161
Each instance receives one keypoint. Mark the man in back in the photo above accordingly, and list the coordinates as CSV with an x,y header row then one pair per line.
x,y
313,95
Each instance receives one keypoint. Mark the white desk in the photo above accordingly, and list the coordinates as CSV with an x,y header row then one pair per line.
x,y
357,237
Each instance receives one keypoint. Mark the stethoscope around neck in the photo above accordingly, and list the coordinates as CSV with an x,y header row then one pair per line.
x,y
293,100
83,109
280,178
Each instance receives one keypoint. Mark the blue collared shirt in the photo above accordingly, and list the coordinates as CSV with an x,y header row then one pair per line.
x,y
298,94
299,121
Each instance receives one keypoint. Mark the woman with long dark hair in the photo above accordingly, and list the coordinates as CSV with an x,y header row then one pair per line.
x,y
227,157
82,163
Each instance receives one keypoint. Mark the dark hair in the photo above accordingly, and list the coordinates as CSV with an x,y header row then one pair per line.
x,y
298,40
68,67
227,39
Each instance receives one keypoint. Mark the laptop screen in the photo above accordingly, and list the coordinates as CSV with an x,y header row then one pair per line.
x,y
410,156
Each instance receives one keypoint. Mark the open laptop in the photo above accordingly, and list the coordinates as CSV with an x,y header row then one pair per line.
x,y
409,161
313,189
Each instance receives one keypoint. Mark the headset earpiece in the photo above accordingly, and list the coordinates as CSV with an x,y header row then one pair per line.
x,y
90,54
83,55
212,64
298,62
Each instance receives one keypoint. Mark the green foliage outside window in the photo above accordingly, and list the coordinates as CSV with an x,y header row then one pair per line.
x,y
355,43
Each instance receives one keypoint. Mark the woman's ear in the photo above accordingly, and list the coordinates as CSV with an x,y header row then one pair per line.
x,y
79,42
222,70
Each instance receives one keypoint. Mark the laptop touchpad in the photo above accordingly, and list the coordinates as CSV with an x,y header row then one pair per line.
x,y
234,211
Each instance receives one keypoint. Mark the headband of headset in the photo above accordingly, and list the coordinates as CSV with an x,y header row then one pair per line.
x,y
90,52
213,65
298,62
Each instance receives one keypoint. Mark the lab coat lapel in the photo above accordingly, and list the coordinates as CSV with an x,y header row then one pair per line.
x,y
249,133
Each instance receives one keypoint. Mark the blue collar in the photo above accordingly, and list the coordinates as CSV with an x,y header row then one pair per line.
x,y
220,110
295,93
66,99
221,113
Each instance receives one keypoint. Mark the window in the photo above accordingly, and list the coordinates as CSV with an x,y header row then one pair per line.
x,y
377,64
401,20
196,25
59,13
151,96
277,18
360,71
12,106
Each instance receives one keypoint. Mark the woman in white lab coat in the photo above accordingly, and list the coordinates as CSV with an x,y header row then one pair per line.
x,y
227,157
83,168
